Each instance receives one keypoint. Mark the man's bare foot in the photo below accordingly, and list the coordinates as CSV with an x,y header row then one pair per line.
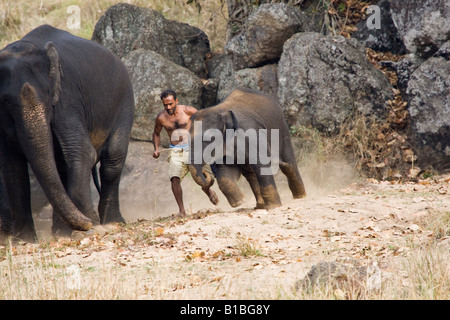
x,y
211,195
180,214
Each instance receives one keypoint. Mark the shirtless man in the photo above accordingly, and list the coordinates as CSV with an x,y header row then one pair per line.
x,y
176,119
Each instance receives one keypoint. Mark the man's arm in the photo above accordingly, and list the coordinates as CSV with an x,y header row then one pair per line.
x,y
156,136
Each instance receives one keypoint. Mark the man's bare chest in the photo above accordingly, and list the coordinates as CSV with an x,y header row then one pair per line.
x,y
183,122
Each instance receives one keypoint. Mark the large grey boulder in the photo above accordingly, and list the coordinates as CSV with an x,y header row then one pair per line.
x,y
384,39
263,35
322,81
428,97
220,66
424,25
150,74
124,28
263,79
220,69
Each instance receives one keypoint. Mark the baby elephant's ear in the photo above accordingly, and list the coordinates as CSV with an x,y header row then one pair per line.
x,y
54,72
229,119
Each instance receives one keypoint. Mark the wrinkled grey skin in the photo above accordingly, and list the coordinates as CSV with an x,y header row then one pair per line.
x,y
5,214
66,103
246,109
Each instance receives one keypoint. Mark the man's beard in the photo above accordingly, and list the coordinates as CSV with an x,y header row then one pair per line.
x,y
171,112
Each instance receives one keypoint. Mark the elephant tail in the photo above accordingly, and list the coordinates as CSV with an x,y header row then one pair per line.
x,y
96,180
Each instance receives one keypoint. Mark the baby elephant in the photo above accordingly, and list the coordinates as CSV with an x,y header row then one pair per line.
x,y
245,134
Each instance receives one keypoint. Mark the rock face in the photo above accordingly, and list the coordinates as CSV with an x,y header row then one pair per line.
x,y
323,80
262,79
124,28
404,69
264,34
428,96
384,39
423,25
150,74
423,76
320,80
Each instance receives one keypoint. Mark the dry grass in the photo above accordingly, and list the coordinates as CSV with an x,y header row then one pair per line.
x,y
424,275
41,272
17,18
428,274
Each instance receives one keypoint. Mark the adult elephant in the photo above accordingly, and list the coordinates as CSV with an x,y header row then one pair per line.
x,y
242,131
66,103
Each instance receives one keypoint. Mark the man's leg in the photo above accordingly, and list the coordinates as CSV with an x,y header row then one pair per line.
x,y
176,175
178,193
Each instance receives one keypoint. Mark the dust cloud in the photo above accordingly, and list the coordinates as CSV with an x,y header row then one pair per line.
x,y
145,190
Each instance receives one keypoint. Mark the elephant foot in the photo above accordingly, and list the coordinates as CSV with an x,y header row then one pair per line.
x,y
5,238
271,197
115,219
299,192
60,228
299,196
111,216
235,204
27,234
64,232
260,205
272,206
93,215
95,230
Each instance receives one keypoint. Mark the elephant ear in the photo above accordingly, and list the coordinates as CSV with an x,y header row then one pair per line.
x,y
229,119
55,71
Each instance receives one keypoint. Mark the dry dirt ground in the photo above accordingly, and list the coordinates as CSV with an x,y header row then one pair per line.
x,y
241,253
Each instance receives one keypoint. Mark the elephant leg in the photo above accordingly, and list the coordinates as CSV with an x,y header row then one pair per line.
x,y
226,179
268,189
75,164
78,189
109,208
18,220
5,212
250,175
288,166
112,161
294,179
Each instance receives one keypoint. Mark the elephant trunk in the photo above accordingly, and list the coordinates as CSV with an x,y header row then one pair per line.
x,y
33,130
200,176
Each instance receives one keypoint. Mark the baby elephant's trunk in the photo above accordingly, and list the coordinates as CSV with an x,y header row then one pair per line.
x,y
200,176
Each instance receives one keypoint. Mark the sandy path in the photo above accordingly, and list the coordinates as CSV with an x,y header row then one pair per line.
x,y
226,253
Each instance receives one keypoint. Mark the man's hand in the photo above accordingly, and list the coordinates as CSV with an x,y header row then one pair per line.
x,y
156,154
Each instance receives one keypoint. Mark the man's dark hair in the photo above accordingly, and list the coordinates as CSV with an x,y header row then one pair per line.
x,y
168,92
